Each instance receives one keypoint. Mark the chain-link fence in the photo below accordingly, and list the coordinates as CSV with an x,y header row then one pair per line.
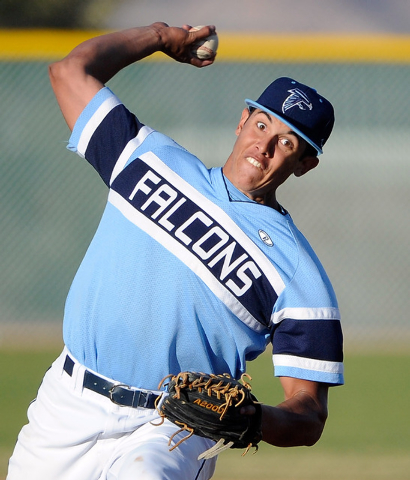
x,y
353,208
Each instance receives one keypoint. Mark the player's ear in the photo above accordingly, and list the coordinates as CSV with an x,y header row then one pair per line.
x,y
245,115
305,164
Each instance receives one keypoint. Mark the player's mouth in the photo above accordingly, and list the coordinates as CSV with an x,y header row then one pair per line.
x,y
253,162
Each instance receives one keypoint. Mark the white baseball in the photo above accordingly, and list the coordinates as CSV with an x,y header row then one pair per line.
x,y
205,48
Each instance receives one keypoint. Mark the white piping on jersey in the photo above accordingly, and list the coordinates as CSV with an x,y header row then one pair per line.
x,y
102,111
322,313
220,216
131,146
188,258
152,160
311,364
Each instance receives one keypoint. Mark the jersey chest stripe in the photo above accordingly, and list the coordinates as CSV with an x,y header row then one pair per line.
x,y
219,215
131,146
325,313
101,112
168,242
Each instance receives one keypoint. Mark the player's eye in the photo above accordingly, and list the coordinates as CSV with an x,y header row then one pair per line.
x,y
261,125
286,143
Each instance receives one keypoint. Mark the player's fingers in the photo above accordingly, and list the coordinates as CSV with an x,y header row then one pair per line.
x,y
197,62
203,32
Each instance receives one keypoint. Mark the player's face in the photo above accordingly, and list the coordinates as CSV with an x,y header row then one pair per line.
x,y
265,154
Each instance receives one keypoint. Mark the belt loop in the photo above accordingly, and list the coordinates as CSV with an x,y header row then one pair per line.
x,y
135,401
68,365
74,371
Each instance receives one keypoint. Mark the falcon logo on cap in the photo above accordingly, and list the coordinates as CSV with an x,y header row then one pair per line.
x,y
297,97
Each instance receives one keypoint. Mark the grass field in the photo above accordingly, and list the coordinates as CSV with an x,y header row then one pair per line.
x,y
367,435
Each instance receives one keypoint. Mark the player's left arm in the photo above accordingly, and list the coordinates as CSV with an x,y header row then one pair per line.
x,y
300,419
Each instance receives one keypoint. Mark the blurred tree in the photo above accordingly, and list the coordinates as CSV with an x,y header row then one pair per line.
x,y
54,13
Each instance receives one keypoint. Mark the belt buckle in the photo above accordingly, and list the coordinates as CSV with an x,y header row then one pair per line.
x,y
112,389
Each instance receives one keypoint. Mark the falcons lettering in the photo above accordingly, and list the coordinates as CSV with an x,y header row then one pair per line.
x,y
196,230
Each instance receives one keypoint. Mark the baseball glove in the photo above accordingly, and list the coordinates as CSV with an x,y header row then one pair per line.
x,y
209,406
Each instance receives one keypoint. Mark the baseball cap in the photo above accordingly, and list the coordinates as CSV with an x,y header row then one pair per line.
x,y
300,107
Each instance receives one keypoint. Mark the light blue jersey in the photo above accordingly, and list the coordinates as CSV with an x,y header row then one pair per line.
x,y
185,272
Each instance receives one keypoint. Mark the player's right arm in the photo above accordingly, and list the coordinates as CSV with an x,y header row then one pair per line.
x,y
83,72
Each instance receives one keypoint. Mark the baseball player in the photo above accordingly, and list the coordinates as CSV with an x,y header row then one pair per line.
x,y
190,269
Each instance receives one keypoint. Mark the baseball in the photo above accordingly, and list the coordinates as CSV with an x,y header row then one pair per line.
x,y
206,48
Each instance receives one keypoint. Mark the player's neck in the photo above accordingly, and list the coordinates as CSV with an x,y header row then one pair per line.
x,y
269,199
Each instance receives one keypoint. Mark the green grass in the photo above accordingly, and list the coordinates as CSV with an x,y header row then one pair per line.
x,y
367,435
20,376
370,413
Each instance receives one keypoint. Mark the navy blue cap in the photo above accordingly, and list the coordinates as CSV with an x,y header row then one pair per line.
x,y
300,107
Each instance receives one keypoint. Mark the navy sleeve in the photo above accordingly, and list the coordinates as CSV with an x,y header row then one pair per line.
x,y
110,139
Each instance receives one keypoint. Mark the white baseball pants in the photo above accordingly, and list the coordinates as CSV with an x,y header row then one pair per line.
x,y
75,433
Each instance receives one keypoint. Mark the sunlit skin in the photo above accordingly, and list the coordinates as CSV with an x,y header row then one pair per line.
x,y
264,155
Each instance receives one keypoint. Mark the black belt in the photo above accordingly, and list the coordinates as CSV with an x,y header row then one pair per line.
x,y
119,394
